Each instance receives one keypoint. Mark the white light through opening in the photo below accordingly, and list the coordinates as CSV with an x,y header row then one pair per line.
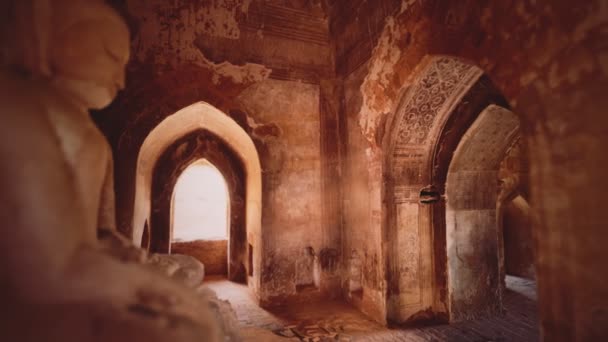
x,y
200,204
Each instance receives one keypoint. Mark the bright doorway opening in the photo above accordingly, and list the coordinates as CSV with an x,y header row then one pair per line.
x,y
200,204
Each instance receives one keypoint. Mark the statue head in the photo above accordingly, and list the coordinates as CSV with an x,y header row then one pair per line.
x,y
89,51
81,46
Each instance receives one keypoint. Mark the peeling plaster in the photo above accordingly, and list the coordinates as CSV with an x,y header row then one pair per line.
x,y
165,40
248,73
382,70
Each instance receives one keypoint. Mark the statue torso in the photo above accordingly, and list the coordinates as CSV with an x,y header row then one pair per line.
x,y
86,152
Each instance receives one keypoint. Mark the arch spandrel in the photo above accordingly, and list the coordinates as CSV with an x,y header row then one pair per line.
x,y
438,86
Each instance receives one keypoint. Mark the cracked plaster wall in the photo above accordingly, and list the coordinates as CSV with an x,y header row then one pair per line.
x,y
291,184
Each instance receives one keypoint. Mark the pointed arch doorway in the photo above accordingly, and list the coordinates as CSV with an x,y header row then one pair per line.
x,y
190,133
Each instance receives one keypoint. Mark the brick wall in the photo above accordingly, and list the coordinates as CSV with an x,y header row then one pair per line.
x,y
212,253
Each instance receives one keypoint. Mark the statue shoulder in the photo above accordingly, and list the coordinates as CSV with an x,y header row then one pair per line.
x,y
23,114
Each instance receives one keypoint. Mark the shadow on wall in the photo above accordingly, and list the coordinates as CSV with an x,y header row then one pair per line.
x,y
519,239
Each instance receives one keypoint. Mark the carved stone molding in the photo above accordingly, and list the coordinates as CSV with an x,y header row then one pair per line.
x,y
417,121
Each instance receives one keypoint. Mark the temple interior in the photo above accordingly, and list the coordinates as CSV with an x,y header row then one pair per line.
x,y
304,170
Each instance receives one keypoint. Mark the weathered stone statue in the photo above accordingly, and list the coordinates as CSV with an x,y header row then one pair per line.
x,y
58,282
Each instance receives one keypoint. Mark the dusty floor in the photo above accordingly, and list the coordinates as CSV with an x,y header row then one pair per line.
x,y
338,321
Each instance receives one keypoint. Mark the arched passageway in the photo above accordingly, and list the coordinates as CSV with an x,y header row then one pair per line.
x,y
475,271
444,146
195,132
441,102
173,163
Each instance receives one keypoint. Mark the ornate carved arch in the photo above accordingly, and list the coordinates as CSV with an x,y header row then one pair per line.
x,y
443,98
